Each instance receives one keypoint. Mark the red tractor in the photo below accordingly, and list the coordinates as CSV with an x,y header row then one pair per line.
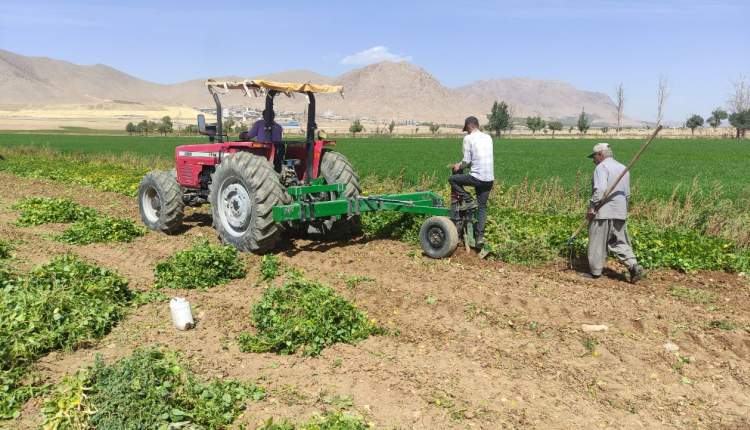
x,y
244,180
259,189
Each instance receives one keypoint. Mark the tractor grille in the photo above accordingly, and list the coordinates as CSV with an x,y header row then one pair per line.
x,y
185,172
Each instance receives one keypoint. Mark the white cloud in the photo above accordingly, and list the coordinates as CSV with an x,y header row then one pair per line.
x,y
373,55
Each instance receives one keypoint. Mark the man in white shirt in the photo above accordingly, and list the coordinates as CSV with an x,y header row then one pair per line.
x,y
607,228
478,156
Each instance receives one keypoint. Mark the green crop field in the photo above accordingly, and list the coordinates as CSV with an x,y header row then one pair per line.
x,y
669,163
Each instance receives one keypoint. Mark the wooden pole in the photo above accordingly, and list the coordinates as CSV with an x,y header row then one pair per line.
x,y
614,184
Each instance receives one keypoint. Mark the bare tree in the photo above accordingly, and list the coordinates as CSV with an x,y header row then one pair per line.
x,y
739,100
620,96
661,99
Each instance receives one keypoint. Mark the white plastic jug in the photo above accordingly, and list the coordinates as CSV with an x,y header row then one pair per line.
x,y
182,315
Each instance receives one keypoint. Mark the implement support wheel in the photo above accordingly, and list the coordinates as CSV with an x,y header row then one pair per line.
x,y
438,237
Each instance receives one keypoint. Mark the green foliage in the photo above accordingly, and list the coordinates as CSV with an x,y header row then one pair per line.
x,y
150,296
101,229
583,122
64,304
716,117
5,249
328,421
535,123
269,267
149,389
740,121
202,266
40,210
555,126
694,122
105,176
533,238
499,118
356,127
303,315
392,225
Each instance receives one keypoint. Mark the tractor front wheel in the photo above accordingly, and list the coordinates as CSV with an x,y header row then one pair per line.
x,y
160,201
243,191
438,237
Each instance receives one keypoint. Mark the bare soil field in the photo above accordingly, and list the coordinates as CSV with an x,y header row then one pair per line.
x,y
470,344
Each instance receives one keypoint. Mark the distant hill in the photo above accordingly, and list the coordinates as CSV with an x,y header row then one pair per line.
x,y
385,90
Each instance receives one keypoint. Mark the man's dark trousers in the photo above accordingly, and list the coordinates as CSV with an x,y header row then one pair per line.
x,y
483,188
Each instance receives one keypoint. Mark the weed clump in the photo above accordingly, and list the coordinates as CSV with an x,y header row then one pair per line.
x,y
149,389
38,211
305,316
202,266
269,267
328,421
62,305
692,294
101,229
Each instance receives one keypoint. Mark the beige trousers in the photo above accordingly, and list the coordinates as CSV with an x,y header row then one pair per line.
x,y
609,235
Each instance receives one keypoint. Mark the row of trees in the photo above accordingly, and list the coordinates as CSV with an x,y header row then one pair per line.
x,y
357,127
164,127
739,105
500,119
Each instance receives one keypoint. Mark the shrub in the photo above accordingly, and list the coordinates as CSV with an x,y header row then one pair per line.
x,y
149,389
303,315
101,229
37,211
61,305
202,266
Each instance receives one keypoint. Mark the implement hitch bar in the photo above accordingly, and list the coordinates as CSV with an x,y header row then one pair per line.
x,y
425,202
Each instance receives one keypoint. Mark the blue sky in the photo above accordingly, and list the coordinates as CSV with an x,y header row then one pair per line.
x,y
699,46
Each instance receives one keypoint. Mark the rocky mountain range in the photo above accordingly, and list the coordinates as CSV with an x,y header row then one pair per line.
x,y
386,90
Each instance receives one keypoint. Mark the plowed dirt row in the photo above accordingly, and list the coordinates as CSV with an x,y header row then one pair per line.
x,y
471,344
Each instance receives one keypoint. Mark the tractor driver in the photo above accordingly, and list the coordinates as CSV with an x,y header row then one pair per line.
x,y
478,153
258,130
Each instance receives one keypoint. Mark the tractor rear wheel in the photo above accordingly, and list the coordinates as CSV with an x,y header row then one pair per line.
x,y
335,168
160,201
438,237
243,191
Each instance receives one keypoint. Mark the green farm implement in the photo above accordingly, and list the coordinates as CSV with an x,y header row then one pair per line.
x,y
260,188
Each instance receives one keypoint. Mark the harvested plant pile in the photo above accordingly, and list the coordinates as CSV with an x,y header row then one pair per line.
x,y
88,226
304,316
149,389
38,211
101,229
202,266
64,304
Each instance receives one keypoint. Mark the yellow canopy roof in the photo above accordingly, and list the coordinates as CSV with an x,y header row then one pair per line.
x,y
286,87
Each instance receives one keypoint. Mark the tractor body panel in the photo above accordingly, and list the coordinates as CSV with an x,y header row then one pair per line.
x,y
194,162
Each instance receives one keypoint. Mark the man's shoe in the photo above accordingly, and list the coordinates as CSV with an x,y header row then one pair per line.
x,y
479,243
636,273
467,206
588,275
